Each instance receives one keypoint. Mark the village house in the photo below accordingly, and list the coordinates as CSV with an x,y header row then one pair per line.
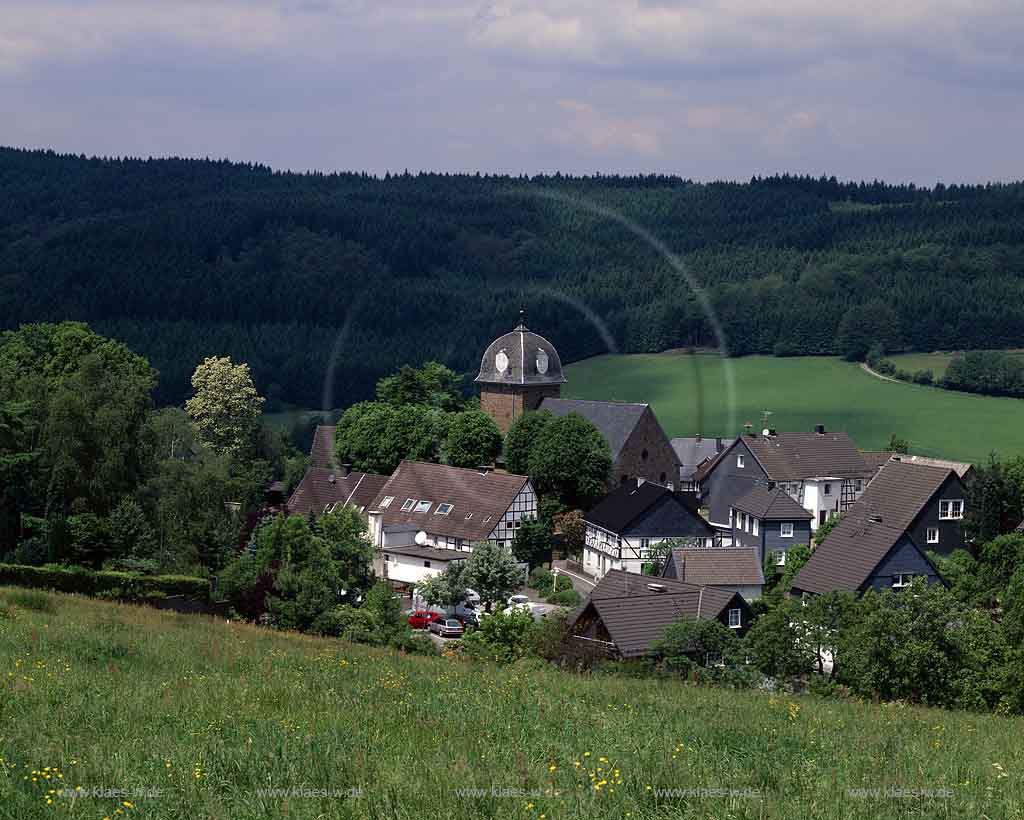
x,y
822,471
627,614
321,451
769,522
426,515
732,569
693,453
877,459
881,543
323,489
624,528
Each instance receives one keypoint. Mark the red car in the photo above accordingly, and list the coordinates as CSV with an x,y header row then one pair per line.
x,y
422,618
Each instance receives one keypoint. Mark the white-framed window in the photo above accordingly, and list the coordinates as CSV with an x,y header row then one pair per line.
x,y
732,515
951,509
735,618
778,557
423,506
426,564
746,522
409,504
740,462
755,526
902,580
386,500
645,543
786,529
933,535
443,509
828,489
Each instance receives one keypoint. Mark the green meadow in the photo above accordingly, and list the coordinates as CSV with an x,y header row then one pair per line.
x,y
690,395
936,362
115,711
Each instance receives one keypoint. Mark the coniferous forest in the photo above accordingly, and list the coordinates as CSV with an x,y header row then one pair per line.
x,y
182,259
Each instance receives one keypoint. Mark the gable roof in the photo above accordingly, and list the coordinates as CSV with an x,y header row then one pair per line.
x,y
877,459
796,456
321,452
485,497
320,487
871,528
631,500
636,615
771,505
692,451
614,420
718,567
428,552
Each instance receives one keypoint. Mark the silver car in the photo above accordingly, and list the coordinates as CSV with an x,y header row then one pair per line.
x,y
446,628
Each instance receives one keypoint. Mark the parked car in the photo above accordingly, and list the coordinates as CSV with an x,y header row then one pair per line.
x,y
467,618
422,618
519,598
446,628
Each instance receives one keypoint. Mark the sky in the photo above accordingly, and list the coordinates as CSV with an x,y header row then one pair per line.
x,y
902,90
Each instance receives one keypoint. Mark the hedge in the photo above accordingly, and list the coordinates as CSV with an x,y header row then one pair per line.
x,y
126,585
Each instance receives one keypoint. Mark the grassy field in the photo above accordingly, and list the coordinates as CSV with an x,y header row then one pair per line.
x,y
194,718
690,395
936,362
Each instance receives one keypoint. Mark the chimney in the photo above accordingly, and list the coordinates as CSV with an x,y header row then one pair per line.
x,y
819,429
875,518
346,469
484,469
656,587
332,478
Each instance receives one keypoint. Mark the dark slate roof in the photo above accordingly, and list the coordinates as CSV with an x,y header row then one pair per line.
x,y
717,567
486,496
615,420
694,451
796,456
631,500
871,528
429,553
636,616
876,460
771,505
321,453
321,487
528,357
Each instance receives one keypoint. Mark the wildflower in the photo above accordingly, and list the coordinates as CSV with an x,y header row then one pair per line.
x,y
552,767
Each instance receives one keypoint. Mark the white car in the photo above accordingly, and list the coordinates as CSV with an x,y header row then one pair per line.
x,y
517,599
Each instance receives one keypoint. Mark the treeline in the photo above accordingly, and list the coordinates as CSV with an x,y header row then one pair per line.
x,y
324,283
991,372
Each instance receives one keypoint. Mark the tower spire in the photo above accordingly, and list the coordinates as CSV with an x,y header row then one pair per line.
x,y
522,319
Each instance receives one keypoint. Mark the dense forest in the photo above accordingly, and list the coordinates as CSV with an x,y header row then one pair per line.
x,y
323,283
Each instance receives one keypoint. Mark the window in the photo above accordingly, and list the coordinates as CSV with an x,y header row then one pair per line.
x,y
828,489
735,619
645,543
933,535
901,580
409,504
487,519
386,501
746,522
443,509
951,510
426,564
756,522
732,515
778,557
858,485
423,506
643,455
786,529
739,462
469,515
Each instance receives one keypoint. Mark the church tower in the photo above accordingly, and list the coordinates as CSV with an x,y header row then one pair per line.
x,y
518,371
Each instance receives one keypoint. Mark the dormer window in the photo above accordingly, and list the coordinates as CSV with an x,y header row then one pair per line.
x,y
386,501
423,506
469,515
408,505
443,509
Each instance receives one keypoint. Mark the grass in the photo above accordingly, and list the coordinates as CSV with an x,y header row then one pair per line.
x,y
290,416
689,394
937,362
199,715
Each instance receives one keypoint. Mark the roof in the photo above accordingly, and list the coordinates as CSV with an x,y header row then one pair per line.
x,y
520,357
718,567
629,501
614,420
771,505
428,552
877,459
321,453
871,528
636,616
693,451
479,498
796,456
320,487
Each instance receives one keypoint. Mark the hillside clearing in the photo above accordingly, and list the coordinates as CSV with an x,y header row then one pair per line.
x,y
195,717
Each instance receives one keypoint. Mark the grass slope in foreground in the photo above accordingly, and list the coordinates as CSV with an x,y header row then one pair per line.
x,y
207,714
802,392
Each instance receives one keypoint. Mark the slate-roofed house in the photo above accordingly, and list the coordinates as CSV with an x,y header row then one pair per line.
x,y
640,448
321,452
322,489
881,542
694,452
624,526
734,569
822,471
877,459
626,614
770,522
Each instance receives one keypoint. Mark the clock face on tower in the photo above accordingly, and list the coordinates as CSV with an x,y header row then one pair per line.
x,y
501,361
542,362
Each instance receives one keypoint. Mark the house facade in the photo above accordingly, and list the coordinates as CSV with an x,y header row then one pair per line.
x,y
408,565
624,529
882,542
769,522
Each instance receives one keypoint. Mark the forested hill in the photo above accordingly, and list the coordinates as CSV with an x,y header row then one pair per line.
x,y
183,259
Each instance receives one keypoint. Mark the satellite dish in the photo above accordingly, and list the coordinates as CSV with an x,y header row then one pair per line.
x,y
421,538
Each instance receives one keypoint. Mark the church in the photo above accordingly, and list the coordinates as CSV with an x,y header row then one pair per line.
x,y
521,371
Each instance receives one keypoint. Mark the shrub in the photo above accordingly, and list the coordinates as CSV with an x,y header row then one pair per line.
x,y
501,637
923,377
32,599
565,597
413,643
344,621
90,582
